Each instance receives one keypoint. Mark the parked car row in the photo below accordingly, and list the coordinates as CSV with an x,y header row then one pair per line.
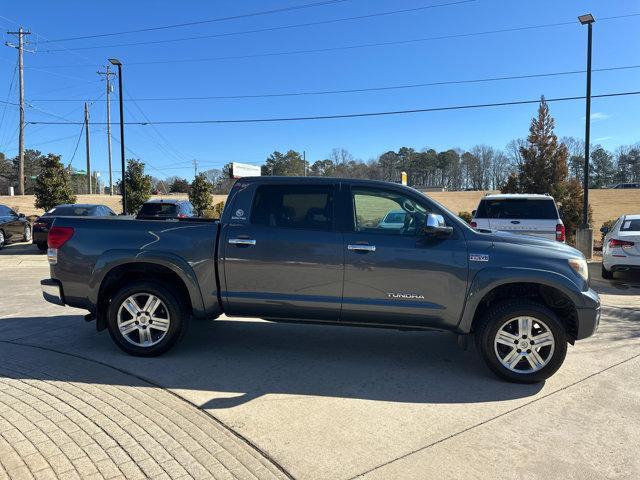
x,y
15,227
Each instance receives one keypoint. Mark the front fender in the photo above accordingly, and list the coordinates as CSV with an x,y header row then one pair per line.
x,y
114,258
487,279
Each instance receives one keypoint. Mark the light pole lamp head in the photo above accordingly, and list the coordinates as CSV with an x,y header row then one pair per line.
x,y
115,61
586,19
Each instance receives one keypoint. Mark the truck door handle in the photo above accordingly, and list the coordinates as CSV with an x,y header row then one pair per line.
x,y
242,241
362,248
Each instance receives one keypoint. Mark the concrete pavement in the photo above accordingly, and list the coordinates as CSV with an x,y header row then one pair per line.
x,y
343,402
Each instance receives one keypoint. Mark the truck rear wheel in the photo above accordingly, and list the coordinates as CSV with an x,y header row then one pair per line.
x,y
145,319
522,341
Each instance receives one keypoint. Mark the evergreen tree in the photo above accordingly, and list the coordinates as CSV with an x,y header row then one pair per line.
x,y
52,185
200,194
602,169
544,168
138,186
179,185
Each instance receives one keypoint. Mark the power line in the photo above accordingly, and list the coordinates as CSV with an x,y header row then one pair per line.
x,y
267,29
201,22
358,115
359,46
358,90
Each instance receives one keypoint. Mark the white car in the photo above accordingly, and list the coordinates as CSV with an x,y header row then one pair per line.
x,y
621,246
528,214
393,220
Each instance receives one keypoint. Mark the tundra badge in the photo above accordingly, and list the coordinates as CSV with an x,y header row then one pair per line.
x,y
478,257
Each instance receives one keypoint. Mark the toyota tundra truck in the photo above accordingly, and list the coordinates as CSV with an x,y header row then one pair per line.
x,y
319,250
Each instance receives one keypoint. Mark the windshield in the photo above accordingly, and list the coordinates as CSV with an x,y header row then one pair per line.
x,y
518,208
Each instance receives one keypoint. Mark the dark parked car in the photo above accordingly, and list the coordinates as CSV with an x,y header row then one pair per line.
x,y
313,250
161,209
14,227
42,225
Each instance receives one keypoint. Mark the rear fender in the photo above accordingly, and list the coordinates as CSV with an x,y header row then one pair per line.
x,y
114,258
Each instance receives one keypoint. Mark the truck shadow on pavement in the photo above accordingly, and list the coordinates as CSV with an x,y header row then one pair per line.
x,y
230,362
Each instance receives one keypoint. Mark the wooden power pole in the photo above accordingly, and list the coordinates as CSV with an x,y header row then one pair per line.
x,y
20,47
86,131
107,74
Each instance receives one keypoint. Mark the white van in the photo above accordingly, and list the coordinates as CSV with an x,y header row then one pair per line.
x,y
529,214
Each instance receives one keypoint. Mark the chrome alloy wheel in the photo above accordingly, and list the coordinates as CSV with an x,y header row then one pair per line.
x,y
524,344
27,233
143,319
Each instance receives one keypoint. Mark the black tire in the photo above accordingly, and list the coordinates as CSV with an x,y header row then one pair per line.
x,y
496,317
27,234
606,274
3,239
177,311
42,246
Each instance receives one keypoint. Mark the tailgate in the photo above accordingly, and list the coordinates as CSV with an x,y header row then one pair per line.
x,y
539,228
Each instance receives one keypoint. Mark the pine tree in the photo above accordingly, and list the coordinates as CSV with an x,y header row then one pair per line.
x,y
544,167
138,185
544,170
200,194
52,185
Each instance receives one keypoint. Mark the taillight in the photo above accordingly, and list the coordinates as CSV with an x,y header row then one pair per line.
x,y
620,243
58,236
182,215
473,224
560,233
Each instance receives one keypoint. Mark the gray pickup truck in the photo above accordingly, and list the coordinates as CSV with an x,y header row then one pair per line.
x,y
323,250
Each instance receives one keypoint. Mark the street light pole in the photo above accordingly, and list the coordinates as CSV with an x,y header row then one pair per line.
x,y
123,186
587,20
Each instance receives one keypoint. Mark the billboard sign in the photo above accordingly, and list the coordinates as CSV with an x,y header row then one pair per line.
x,y
239,170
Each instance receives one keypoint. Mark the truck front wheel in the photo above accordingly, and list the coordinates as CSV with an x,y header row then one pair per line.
x,y
522,341
146,319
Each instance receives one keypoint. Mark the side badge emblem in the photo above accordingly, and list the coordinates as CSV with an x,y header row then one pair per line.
x,y
239,213
478,257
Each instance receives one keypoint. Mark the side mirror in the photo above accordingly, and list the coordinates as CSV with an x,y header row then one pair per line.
x,y
473,213
604,230
21,215
435,225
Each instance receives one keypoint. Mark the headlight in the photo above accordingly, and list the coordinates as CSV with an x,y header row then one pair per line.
x,y
579,265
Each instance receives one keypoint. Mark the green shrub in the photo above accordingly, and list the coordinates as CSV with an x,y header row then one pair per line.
x,y
466,216
609,224
215,211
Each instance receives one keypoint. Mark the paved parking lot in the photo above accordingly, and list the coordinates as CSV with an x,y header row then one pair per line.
x,y
250,399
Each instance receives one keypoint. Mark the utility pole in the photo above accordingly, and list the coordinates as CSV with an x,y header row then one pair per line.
x,y
107,73
20,46
195,168
86,132
304,161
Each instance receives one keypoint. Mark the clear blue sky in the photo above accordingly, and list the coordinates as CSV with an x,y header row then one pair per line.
x,y
67,75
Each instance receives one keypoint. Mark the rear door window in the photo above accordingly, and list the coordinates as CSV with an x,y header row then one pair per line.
x,y
294,206
518,209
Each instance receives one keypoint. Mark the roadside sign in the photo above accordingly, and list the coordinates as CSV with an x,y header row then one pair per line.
x,y
239,170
